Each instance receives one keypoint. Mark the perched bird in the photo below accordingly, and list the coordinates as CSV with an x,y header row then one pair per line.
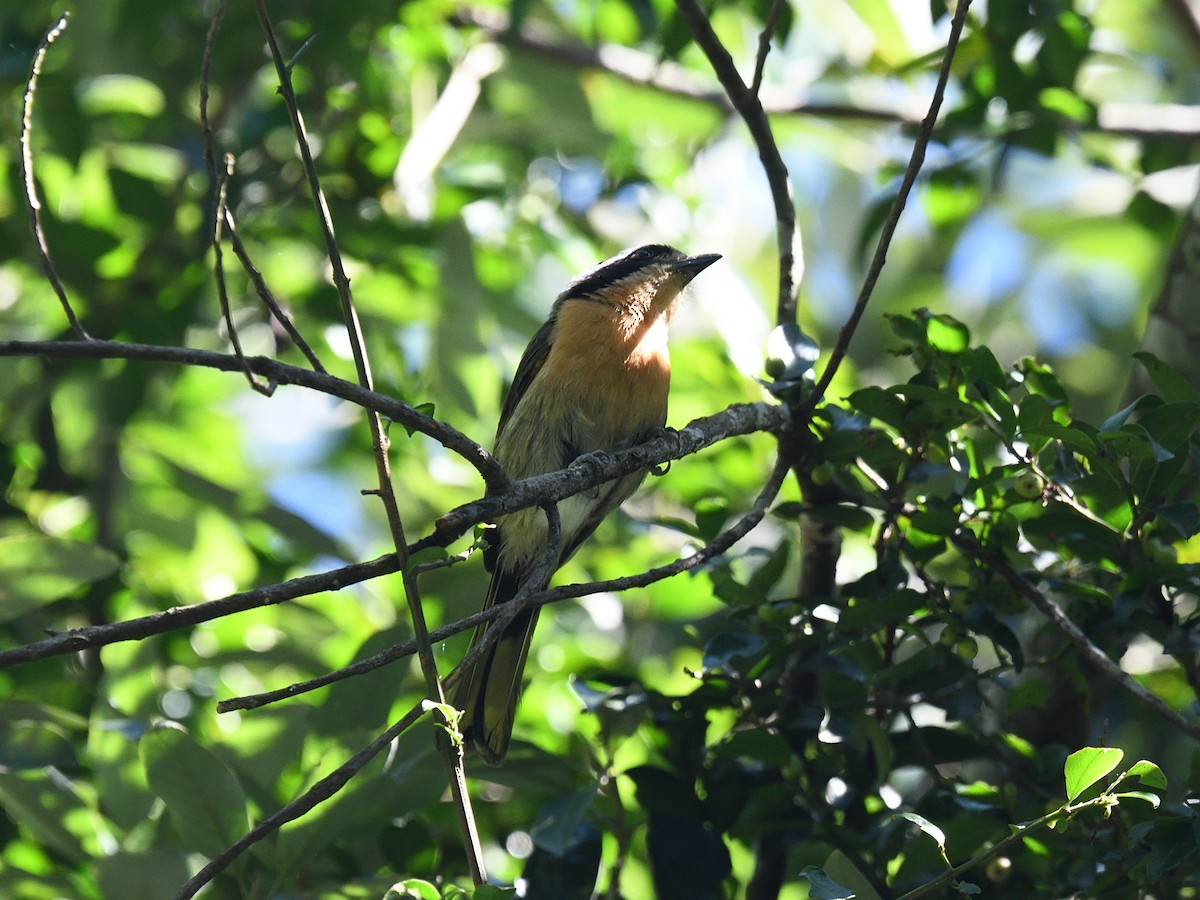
x,y
594,378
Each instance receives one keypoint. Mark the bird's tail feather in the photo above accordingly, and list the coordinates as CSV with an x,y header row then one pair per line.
x,y
488,694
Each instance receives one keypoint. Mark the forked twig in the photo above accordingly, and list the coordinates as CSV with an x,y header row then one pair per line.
x,y
32,204
268,298
222,184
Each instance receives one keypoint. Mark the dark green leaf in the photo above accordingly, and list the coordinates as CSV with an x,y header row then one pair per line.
x,y
202,795
822,887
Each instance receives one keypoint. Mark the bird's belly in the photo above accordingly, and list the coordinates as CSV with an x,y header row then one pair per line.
x,y
525,530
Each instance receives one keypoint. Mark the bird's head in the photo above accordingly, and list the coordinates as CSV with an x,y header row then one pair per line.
x,y
640,284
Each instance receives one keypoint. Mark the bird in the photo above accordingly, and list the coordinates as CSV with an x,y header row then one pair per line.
x,y
593,380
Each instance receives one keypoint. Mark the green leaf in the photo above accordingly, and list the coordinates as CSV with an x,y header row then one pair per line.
x,y
839,867
1183,517
120,94
726,646
1173,386
412,889
492,892
947,334
1087,766
822,887
1148,773
556,829
1067,103
202,795
1153,799
37,569
891,42
928,827
711,515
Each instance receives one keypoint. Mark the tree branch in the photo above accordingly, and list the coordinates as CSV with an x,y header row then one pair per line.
x,y
717,546
280,373
32,204
1136,120
748,106
889,226
970,545
78,639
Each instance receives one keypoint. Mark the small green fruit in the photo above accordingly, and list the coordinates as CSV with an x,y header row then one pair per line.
x,y
822,474
1028,486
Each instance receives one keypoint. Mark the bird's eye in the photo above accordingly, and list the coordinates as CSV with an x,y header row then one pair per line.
x,y
643,253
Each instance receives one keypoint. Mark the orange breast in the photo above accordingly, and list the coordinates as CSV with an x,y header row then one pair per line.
x,y
615,372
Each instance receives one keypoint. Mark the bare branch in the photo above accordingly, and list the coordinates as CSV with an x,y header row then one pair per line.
x,y
764,45
969,544
222,184
737,419
318,793
451,756
79,639
207,139
279,373
32,204
746,102
268,298
505,612
889,226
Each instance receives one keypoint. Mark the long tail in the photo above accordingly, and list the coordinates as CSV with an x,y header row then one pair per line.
x,y
488,694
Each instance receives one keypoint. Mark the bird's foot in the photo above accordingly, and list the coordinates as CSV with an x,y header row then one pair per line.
x,y
593,462
666,431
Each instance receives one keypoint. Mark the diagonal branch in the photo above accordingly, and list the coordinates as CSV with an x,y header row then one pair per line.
x,y
268,298
970,545
749,107
924,133
279,373
720,544
32,204
380,443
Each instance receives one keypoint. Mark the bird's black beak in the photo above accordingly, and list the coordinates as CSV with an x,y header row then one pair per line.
x,y
691,266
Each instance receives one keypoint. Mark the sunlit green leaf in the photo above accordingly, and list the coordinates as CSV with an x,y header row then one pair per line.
x,y
1085,767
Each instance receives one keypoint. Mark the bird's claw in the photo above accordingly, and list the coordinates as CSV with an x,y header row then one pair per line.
x,y
594,461
666,431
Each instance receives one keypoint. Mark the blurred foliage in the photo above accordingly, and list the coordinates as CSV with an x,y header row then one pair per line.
x,y
733,730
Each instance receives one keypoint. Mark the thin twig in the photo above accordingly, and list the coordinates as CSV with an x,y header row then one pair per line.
x,y
32,204
924,133
268,298
219,179
764,44
78,639
745,101
970,545
451,756
206,133
318,793
280,373
505,612
219,276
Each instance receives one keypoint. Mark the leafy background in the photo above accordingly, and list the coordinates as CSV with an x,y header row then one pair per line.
x,y
1043,221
